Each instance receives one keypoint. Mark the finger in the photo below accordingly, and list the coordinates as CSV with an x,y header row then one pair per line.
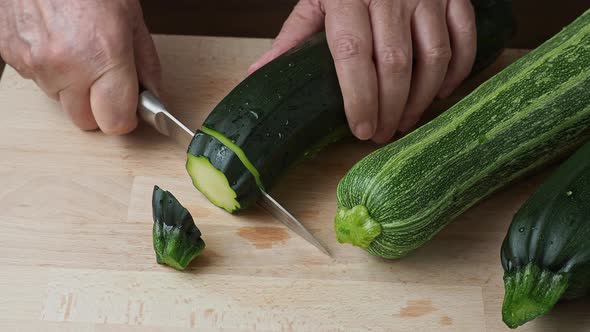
x,y
463,35
305,20
348,30
76,103
13,53
393,60
432,53
149,70
113,99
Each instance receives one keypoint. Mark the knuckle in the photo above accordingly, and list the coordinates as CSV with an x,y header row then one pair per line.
x,y
379,4
34,61
395,59
111,42
43,57
438,56
345,7
56,58
347,46
109,48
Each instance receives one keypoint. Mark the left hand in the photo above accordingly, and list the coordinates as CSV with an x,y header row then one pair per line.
x,y
392,57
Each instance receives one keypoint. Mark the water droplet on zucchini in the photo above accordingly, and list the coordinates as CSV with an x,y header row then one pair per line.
x,y
521,229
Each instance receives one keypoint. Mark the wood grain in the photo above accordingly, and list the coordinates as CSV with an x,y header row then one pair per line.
x,y
76,251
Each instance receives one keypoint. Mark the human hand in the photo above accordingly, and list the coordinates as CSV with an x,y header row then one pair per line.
x,y
392,57
87,54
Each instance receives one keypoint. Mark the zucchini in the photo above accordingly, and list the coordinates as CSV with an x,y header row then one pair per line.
x,y
176,238
270,120
533,112
546,253
289,109
495,27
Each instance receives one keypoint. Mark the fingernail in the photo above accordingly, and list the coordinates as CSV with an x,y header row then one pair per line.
x,y
364,130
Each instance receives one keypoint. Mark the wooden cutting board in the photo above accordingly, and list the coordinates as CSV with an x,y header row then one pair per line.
x,y
75,231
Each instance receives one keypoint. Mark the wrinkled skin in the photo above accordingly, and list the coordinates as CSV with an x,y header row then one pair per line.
x,y
393,57
86,54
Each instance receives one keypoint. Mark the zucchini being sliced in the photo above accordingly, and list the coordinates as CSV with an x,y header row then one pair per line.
x,y
291,108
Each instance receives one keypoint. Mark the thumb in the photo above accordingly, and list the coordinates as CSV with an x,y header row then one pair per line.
x,y
306,19
113,99
149,70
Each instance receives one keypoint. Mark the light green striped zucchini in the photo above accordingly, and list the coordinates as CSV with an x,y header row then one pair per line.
x,y
534,111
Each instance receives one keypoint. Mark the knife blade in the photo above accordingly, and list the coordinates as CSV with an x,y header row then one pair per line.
x,y
280,213
152,111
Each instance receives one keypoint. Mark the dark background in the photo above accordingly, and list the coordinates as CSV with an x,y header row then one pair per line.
x,y
537,19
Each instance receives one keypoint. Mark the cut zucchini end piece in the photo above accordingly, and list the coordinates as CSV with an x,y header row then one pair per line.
x,y
176,238
212,183
530,292
179,257
355,226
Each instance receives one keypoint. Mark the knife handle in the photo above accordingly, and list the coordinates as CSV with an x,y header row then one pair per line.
x,y
149,106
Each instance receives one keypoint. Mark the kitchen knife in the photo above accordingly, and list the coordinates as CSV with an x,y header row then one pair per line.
x,y
152,111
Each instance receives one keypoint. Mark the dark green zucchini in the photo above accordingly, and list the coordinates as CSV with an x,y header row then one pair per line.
x,y
266,123
177,240
533,112
495,27
287,109
546,253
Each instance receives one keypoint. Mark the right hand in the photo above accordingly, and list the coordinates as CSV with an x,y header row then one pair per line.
x,y
87,54
392,57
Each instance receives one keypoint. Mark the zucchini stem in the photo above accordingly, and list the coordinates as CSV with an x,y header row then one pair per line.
x,y
355,226
531,292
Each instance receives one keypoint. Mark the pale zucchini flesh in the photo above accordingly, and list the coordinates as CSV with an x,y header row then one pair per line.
x,y
212,183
